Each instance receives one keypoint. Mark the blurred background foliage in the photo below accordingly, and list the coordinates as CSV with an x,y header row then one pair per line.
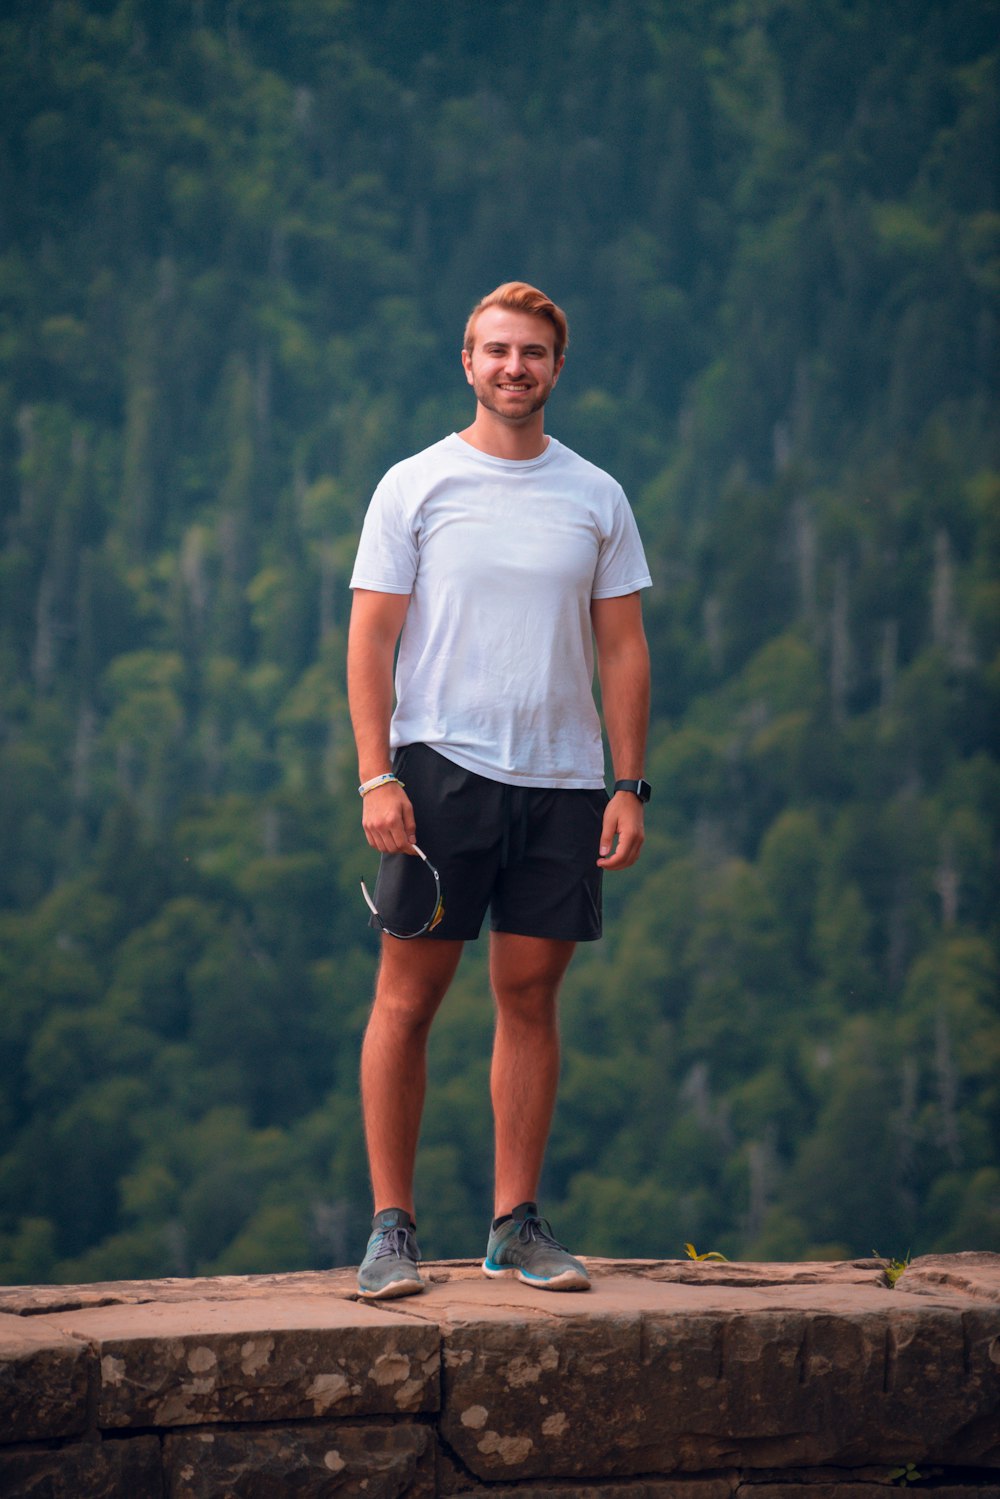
x,y
239,239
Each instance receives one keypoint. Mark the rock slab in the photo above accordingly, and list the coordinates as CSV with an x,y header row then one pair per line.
x,y
379,1461
667,1380
44,1381
286,1358
85,1470
664,1378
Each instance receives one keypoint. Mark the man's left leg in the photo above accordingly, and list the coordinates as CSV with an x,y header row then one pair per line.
x,y
526,973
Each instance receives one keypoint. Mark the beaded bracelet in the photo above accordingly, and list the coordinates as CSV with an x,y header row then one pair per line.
x,y
377,781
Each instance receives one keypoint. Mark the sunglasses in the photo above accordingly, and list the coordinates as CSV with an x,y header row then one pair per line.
x,y
432,919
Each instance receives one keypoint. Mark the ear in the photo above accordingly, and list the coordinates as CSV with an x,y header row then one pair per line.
x,y
557,371
467,364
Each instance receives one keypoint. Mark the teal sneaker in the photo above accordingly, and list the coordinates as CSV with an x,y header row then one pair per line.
x,y
524,1246
389,1267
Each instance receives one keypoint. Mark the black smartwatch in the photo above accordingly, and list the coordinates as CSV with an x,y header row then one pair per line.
x,y
642,789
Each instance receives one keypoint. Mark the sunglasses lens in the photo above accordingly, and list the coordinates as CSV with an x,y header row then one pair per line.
x,y
431,922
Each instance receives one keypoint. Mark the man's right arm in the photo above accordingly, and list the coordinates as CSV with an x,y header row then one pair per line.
x,y
376,621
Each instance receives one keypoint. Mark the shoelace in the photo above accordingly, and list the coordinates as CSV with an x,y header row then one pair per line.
x,y
538,1230
393,1242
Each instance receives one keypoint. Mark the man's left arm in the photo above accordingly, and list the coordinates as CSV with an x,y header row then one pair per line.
x,y
623,668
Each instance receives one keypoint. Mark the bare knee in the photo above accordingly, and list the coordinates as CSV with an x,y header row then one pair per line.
x,y
408,1012
527,1002
526,974
411,985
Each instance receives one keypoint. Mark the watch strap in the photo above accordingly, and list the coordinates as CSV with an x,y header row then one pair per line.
x,y
640,788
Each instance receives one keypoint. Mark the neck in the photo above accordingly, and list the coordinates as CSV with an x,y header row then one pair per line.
x,y
491,434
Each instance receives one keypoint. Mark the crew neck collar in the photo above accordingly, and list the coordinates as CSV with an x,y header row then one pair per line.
x,y
509,464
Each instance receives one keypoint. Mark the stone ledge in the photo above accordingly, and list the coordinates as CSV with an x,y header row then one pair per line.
x,y
45,1380
26,1301
668,1380
971,1274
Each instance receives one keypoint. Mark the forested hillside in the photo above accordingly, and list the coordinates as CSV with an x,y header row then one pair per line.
x,y
237,245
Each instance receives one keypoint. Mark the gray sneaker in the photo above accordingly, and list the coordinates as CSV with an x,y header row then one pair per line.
x,y
524,1246
389,1267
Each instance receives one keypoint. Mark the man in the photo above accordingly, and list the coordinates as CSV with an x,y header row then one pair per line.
x,y
496,558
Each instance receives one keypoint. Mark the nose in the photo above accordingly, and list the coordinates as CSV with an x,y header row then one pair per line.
x,y
514,363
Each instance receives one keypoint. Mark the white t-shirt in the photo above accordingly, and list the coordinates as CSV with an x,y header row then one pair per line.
x,y
501,560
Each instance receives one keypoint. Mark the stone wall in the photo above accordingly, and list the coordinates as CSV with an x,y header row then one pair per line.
x,y
668,1380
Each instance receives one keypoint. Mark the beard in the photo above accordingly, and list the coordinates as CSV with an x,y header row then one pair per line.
x,y
492,399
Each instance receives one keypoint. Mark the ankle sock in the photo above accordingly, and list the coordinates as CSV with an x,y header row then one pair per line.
x,y
522,1210
377,1216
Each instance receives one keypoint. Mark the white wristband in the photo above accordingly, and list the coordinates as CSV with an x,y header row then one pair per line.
x,y
375,781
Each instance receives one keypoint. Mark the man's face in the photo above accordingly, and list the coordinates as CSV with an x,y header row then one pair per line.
x,y
512,367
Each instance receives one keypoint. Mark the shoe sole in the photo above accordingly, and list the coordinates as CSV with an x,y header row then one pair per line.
x,y
569,1280
394,1288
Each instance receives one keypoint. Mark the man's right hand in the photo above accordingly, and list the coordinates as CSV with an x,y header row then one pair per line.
x,y
388,820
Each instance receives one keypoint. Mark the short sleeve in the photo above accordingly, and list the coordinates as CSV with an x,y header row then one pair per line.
x,y
387,552
621,564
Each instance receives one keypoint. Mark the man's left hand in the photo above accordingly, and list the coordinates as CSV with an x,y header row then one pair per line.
x,y
623,820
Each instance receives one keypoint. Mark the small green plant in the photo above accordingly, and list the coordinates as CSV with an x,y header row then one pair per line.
x,y
709,1254
893,1268
904,1476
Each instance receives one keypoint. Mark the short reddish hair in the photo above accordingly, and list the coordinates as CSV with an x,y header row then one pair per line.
x,y
518,296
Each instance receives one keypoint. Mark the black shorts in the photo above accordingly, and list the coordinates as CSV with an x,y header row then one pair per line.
x,y
527,853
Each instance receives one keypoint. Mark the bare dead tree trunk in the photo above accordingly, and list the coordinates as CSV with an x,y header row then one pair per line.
x,y
947,1081
888,660
942,591
804,543
840,646
947,882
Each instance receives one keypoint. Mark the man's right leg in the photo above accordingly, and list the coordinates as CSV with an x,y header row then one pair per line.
x,y
413,978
